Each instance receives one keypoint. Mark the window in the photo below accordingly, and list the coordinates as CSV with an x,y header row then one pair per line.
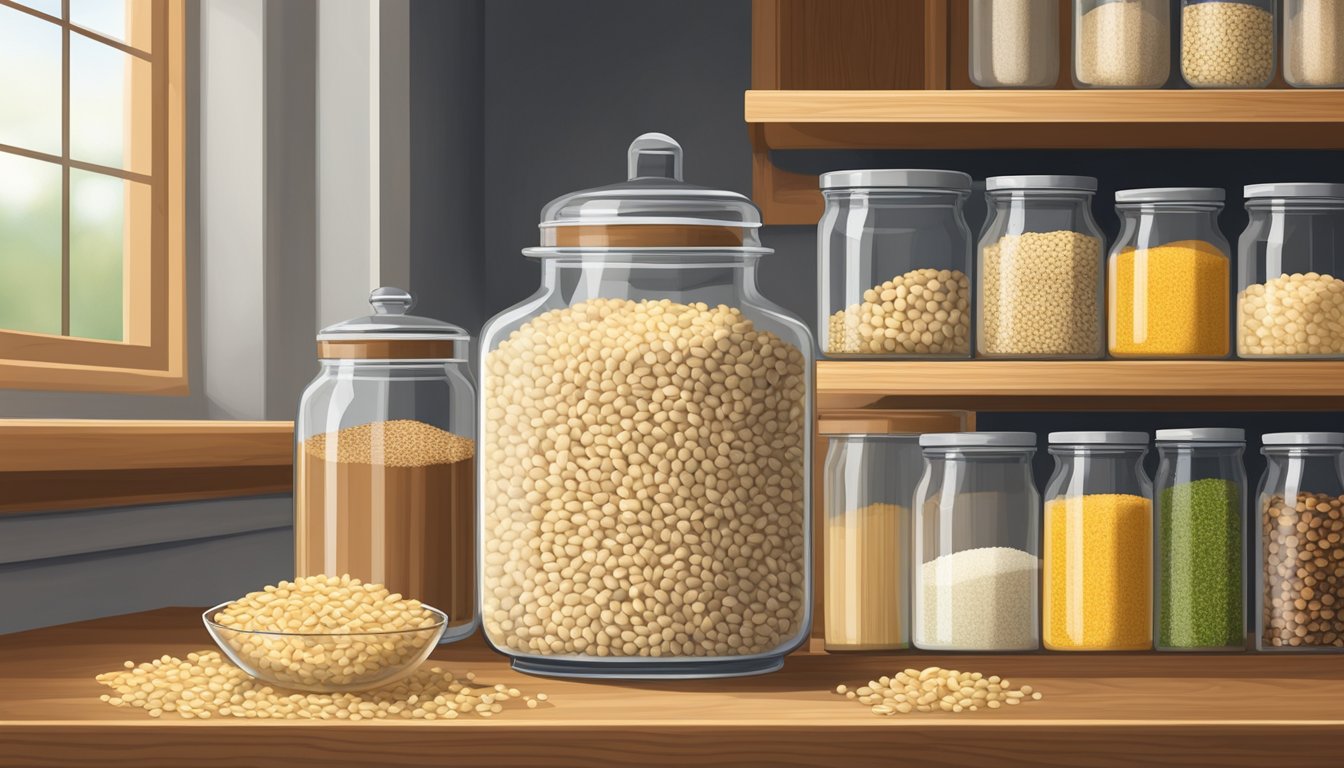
x,y
92,195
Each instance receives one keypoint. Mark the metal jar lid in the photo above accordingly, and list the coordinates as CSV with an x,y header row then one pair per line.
x,y
1304,439
898,178
978,440
1043,182
1202,435
1101,437
1171,195
1294,189
391,334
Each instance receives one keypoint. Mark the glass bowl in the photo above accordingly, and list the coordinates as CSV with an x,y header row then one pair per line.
x,y
326,662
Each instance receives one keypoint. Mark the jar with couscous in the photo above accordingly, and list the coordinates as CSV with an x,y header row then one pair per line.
x,y
645,423
1228,43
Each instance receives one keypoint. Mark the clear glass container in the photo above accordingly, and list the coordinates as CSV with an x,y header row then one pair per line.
x,y
1039,276
1098,544
1290,295
385,459
1014,43
646,422
977,538
1121,43
1200,545
1168,284
1227,43
1313,43
894,264
1300,573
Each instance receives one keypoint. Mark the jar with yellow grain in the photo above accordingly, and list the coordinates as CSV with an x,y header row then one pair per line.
x,y
1168,275
1098,544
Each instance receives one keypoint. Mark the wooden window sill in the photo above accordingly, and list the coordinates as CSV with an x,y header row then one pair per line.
x,y
69,464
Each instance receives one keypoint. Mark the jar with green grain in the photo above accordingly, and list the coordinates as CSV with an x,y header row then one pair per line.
x,y
1200,553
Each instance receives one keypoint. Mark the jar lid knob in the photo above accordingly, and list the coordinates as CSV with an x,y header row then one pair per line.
x,y
391,301
654,155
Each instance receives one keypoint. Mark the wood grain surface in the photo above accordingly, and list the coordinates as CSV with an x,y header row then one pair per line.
x,y
1098,710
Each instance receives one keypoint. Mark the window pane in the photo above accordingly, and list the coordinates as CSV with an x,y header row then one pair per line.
x,y
30,82
98,208
52,7
109,105
124,20
30,245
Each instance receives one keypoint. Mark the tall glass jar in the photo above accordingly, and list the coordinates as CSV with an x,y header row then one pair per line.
x,y
1300,578
645,426
977,534
1290,297
385,460
1227,43
1098,543
1121,43
1169,275
1200,548
1039,272
895,263
1313,43
1014,43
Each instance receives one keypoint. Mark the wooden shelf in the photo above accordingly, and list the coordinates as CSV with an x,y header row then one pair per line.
x,y
1107,385
1098,710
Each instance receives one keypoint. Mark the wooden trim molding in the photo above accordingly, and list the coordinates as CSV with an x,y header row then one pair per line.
x,y
68,464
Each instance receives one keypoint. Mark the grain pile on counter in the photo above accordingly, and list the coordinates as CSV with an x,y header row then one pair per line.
x,y
1226,44
934,689
1041,293
924,312
1303,603
1291,315
1124,45
644,483
1169,301
979,599
1199,528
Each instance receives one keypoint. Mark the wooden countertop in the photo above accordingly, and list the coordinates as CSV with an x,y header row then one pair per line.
x,y
1098,710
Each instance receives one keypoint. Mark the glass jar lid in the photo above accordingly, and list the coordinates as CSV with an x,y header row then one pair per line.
x,y
1294,189
978,440
1333,439
898,178
391,334
1202,435
1109,438
652,208
1171,195
1043,182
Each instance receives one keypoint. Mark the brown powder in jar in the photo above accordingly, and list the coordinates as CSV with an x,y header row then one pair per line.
x,y
391,502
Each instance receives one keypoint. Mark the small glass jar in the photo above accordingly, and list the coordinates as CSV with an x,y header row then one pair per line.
x,y
1290,296
1300,578
1169,275
1098,543
385,460
1200,546
1227,43
1121,43
1313,43
977,538
1039,277
1014,43
895,263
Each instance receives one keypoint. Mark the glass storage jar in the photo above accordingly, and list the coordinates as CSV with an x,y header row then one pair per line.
x,y
1290,297
977,534
1227,43
645,423
1098,543
1121,43
895,263
1313,43
1200,547
1300,578
1039,270
1014,43
385,459
1169,275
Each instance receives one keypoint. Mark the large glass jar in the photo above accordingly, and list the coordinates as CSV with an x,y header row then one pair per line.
x,y
1169,275
977,534
1121,43
385,460
1014,43
895,263
1227,43
1200,547
1313,43
1039,271
645,425
1300,541
1098,543
1290,297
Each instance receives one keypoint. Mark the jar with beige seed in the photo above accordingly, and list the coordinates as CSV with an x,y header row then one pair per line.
x,y
1121,43
645,423
1313,43
1228,43
1039,276
894,263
